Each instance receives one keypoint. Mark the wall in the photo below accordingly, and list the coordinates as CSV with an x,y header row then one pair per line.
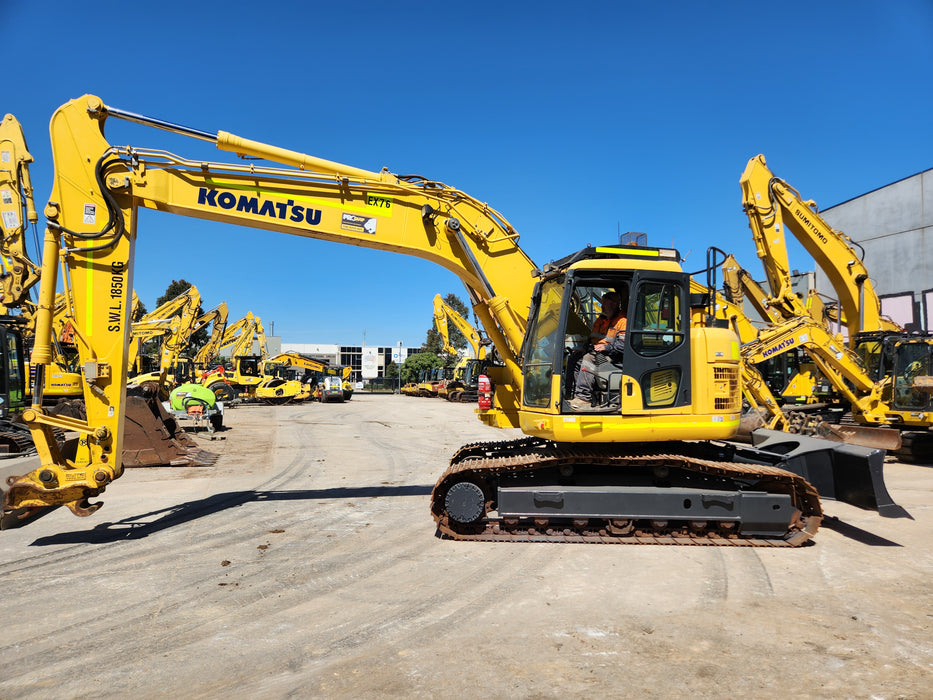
x,y
894,224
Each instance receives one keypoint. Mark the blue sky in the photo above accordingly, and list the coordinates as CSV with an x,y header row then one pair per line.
x,y
575,120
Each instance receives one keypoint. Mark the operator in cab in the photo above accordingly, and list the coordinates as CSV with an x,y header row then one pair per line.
x,y
606,344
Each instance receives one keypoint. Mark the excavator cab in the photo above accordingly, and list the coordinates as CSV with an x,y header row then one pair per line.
x,y
913,374
907,359
672,374
248,366
648,371
13,380
586,307
183,370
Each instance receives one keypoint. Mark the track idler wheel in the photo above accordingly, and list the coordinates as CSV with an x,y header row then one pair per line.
x,y
465,503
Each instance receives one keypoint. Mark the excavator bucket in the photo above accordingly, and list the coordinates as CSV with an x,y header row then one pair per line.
x,y
153,438
865,435
849,473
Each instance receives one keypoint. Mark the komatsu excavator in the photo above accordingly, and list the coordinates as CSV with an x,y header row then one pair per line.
x,y
790,373
463,386
649,462
888,376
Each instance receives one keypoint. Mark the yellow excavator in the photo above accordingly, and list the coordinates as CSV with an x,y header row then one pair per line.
x,y
886,374
176,331
463,386
248,380
649,461
309,371
19,273
172,321
17,208
186,369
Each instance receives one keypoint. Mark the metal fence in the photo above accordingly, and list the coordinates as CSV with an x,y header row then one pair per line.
x,y
380,385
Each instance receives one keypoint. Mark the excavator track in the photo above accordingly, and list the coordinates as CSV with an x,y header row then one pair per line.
x,y
487,466
16,440
916,447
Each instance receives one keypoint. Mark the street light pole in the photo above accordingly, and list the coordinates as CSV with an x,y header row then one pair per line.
x,y
400,366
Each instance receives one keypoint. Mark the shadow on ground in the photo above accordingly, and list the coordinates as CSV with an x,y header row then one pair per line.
x,y
146,524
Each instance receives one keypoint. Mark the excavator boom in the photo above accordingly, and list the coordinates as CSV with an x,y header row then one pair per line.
x,y
17,210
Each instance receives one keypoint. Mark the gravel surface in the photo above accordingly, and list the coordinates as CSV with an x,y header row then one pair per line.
x,y
304,563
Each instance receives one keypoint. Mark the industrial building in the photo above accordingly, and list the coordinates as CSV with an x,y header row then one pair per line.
x,y
368,362
894,226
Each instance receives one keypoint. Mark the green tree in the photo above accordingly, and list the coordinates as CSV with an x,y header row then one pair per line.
x,y
433,342
415,364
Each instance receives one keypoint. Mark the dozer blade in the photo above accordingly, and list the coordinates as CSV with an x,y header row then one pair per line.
x,y
849,473
153,438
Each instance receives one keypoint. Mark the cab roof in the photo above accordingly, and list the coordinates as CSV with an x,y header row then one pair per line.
x,y
640,256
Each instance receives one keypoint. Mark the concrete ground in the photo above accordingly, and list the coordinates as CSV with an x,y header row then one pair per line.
x,y
304,563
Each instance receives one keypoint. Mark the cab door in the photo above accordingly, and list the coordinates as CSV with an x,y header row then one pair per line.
x,y
543,348
657,353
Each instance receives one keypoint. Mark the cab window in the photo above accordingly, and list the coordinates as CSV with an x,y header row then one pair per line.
x,y
658,323
543,342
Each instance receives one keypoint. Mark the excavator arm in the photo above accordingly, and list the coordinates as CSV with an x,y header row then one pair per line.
x,y
773,206
217,316
740,285
294,359
440,323
444,312
239,336
17,207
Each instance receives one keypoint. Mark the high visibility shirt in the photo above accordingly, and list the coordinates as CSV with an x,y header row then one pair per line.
x,y
606,328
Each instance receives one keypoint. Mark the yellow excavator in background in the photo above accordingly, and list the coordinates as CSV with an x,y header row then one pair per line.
x,y
19,273
887,377
312,373
248,381
773,206
172,321
463,386
187,369
17,208
175,368
648,462
797,377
